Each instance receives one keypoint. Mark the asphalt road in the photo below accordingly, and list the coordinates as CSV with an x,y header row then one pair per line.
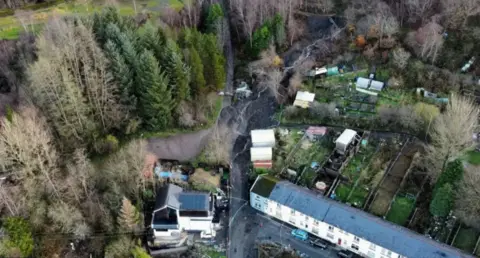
x,y
261,228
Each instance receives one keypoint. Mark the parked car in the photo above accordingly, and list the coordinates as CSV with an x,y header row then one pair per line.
x,y
300,234
347,254
319,243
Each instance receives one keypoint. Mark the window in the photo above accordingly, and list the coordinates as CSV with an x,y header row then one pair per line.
x,y
315,222
279,206
356,239
355,247
371,254
389,253
372,246
330,228
315,230
330,235
306,218
292,212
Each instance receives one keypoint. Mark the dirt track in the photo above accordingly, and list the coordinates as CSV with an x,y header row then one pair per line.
x,y
181,147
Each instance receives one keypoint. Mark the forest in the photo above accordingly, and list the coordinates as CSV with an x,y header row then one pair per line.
x,y
80,96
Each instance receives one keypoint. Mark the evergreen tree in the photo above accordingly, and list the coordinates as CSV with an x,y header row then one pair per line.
x,y
123,74
129,217
213,63
155,99
261,39
178,72
278,30
214,18
198,84
153,39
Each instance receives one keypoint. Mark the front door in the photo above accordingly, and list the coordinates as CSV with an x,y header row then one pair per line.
x,y
339,241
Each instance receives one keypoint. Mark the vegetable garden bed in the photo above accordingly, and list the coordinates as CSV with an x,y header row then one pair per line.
x,y
401,209
466,239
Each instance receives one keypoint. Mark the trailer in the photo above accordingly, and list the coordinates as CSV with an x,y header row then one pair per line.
x,y
345,139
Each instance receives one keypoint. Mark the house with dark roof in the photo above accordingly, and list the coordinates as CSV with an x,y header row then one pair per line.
x,y
345,226
177,211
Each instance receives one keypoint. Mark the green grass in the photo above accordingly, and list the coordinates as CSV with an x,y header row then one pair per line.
x,y
466,239
473,157
400,210
342,191
10,27
358,196
307,177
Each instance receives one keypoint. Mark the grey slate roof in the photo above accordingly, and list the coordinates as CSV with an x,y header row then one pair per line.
x,y
300,199
174,197
194,201
364,225
168,196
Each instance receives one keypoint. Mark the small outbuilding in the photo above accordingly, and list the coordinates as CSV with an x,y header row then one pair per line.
x,y
315,132
344,140
369,84
263,138
261,154
304,99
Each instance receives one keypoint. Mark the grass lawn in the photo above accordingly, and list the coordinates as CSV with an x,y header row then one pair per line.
x,y
359,162
466,239
358,196
400,210
10,27
390,97
473,157
342,191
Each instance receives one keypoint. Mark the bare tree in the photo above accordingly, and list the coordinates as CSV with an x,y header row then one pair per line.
x,y
418,9
127,168
467,204
70,80
26,148
451,132
192,10
401,57
220,145
431,40
68,219
25,18
458,12
294,84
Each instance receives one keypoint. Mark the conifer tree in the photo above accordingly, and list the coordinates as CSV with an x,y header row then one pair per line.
x,y
129,217
198,83
214,18
155,98
178,72
123,75
213,62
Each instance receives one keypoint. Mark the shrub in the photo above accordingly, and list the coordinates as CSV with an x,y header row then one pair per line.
x,y
452,175
442,201
19,237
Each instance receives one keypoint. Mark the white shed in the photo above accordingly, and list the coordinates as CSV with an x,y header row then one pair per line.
x,y
303,99
364,83
344,140
261,154
263,138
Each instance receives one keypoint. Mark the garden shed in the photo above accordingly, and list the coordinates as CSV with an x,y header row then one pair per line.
x,y
261,154
364,83
304,99
344,140
263,138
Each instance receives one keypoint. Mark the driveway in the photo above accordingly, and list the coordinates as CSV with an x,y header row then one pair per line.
x,y
182,147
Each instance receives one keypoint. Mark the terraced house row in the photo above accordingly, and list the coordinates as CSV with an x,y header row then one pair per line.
x,y
342,225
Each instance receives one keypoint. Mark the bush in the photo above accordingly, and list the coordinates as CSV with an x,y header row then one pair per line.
x,y
442,202
19,237
452,175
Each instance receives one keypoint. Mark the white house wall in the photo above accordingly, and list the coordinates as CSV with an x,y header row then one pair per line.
x,y
196,223
320,228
